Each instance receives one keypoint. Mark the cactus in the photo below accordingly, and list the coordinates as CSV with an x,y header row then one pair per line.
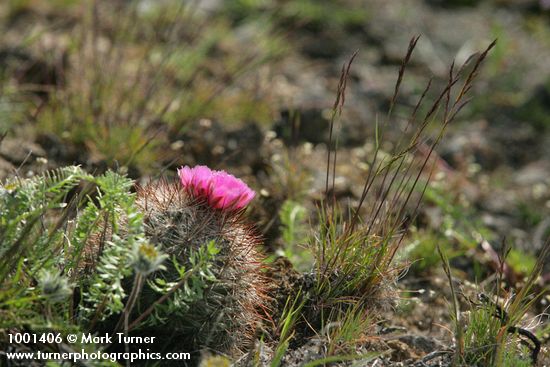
x,y
181,217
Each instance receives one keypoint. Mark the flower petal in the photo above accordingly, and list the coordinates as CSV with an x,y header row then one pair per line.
x,y
220,189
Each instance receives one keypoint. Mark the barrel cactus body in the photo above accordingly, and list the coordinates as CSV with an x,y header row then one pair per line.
x,y
181,217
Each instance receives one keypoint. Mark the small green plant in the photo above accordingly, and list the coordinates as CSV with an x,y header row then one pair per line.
x,y
457,230
420,251
520,261
315,15
43,244
292,216
355,259
491,334
285,330
111,95
294,231
347,330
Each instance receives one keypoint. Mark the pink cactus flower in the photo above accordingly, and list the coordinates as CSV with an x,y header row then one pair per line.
x,y
220,189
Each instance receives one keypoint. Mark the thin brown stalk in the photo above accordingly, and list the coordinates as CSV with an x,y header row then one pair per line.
x,y
456,308
337,110
370,176
130,303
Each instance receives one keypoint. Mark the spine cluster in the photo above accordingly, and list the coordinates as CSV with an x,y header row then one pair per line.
x,y
179,222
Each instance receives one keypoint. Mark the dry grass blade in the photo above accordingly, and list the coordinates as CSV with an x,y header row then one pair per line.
x,y
374,166
459,337
337,110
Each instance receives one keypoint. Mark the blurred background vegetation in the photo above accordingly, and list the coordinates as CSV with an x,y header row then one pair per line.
x,y
147,86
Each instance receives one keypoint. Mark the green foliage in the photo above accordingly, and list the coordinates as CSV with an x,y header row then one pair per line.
x,y
481,337
355,267
489,335
69,244
25,231
35,243
292,217
359,262
294,233
328,13
105,294
421,250
521,261
458,217
334,15
458,232
347,329
289,317
186,287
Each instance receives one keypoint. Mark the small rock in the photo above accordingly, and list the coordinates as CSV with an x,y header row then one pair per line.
x,y
6,168
17,150
421,343
401,351
533,173
308,124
